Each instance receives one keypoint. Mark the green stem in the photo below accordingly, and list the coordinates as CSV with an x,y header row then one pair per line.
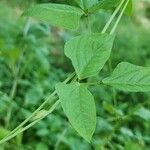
x,y
114,91
112,17
12,95
38,109
27,27
111,145
18,129
34,113
115,96
119,17
60,139
112,32
31,124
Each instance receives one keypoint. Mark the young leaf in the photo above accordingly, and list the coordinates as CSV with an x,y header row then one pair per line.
x,y
78,105
129,77
56,14
110,4
89,53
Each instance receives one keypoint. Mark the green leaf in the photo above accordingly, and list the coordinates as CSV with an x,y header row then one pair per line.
x,y
3,132
143,113
110,4
104,4
126,132
78,105
129,77
56,14
12,55
40,146
132,146
89,53
89,3
86,3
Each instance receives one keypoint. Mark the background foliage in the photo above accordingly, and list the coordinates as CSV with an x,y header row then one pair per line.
x,y
32,55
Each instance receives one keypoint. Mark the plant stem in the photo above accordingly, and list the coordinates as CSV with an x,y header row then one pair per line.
x,y
112,17
18,129
113,90
112,32
27,27
34,113
119,17
12,95
60,139
31,124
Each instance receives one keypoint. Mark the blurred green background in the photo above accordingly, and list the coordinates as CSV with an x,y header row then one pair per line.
x,y
32,61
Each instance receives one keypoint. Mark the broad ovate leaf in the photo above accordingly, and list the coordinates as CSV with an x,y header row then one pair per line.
x,y
89,53
129,77
56,14
110,4
78,105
